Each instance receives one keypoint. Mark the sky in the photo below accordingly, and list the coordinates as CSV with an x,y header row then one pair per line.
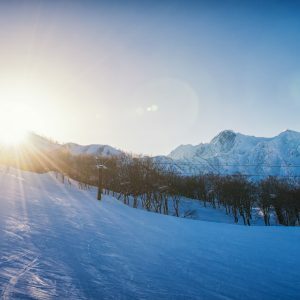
x,y
147,76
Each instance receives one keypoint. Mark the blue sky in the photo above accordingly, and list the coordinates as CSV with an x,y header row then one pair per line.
x,y
146,76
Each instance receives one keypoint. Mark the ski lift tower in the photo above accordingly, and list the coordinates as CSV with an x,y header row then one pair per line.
x,y
100,168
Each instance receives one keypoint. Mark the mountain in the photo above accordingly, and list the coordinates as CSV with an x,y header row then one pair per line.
x,y
103,150
227,153
44,144
230,152
38,142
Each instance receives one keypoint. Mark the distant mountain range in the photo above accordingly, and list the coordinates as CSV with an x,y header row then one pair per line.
x,y
227,153
40,143
230,153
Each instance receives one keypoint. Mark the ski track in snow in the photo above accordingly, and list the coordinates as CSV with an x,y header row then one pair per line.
x,y
12,282
58,242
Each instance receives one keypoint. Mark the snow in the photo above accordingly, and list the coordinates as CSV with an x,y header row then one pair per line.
x,y
230,152
103,150
227,153
59,242
198,210
37,142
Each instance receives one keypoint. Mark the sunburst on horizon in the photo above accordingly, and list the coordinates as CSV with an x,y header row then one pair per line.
x,y
14,124
14,136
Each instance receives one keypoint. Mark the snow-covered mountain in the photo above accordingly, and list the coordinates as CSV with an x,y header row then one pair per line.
x,y
103,150
227,153
44,144
41,143
230,152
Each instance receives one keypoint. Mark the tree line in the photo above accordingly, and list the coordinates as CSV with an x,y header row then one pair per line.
x,y
139,181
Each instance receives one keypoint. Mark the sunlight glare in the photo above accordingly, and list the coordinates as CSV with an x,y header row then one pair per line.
x,y
13,136
13,124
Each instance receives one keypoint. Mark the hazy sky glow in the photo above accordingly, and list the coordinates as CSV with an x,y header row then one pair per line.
x,y
146,76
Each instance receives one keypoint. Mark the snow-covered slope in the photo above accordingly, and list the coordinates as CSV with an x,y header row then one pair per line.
x,y
40,143
58,242
231,152
103,150
44,144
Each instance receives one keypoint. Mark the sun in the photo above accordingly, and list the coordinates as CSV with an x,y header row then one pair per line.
x,y
13,136
14,121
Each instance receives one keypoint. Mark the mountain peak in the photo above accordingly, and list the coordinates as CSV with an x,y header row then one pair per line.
x,y
289,132
224,137
225,140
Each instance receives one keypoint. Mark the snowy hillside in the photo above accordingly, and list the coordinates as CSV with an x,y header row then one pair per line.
x,y
231,152
44,144
58,242
103,150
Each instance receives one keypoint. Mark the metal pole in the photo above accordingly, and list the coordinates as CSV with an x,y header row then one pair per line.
x,y
100,168
100,181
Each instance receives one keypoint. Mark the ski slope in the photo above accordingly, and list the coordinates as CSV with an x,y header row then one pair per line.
x,y
58,242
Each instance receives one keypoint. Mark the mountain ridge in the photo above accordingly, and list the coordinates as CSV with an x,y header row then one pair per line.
x,y
229,152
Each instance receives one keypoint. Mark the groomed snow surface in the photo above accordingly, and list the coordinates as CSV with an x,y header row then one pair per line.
x,y
59,242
